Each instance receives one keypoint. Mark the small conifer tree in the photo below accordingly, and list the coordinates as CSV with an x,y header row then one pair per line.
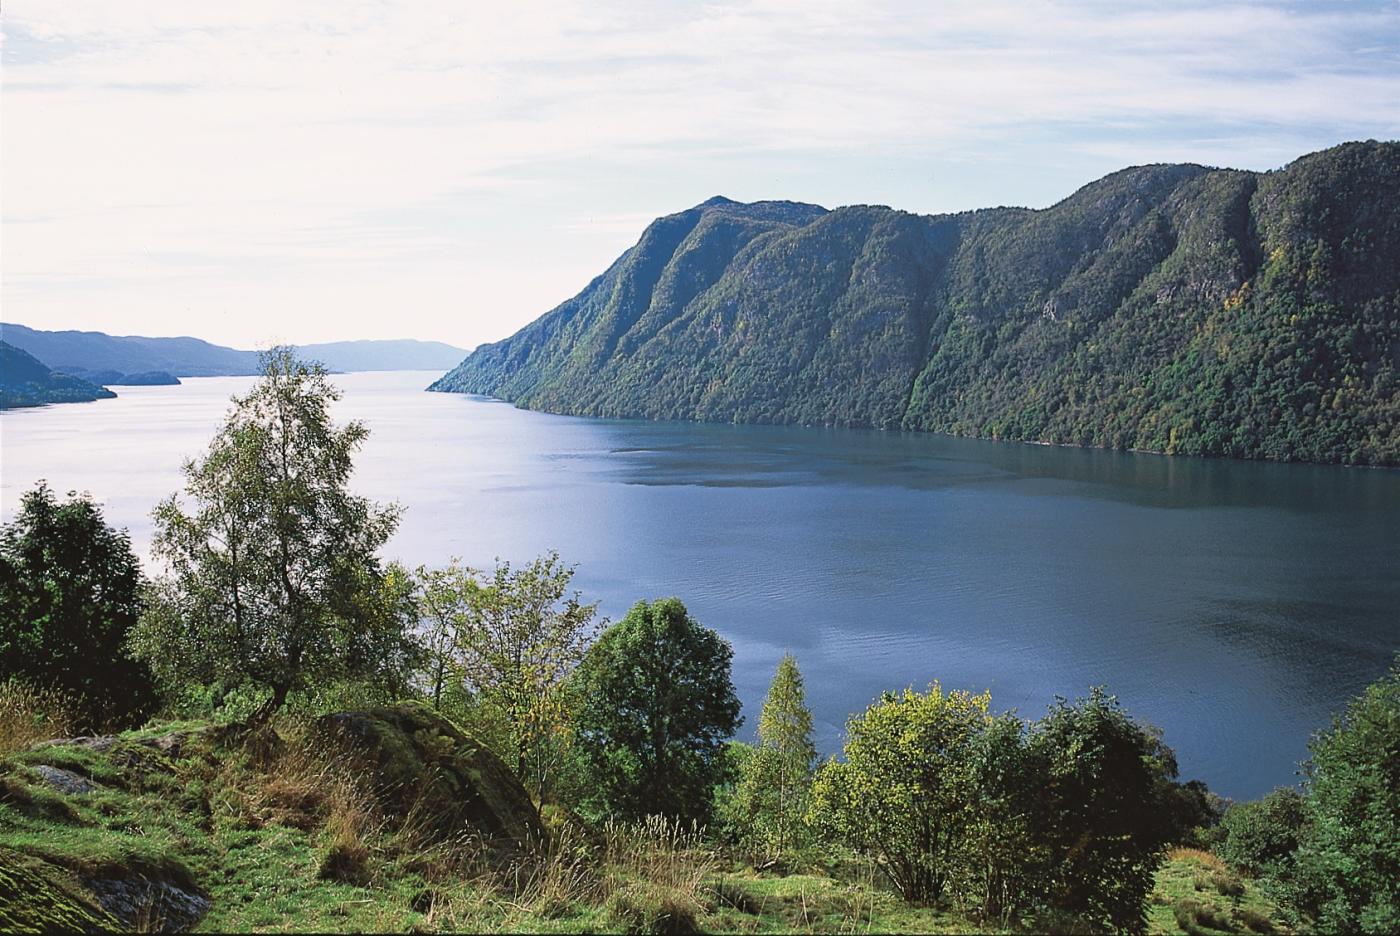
x,y
773,790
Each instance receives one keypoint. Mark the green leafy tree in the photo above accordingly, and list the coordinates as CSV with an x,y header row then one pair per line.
x,y
1100,815
70,593
776,777
654,703
513,639
906,794
443,607
1347,866
272,574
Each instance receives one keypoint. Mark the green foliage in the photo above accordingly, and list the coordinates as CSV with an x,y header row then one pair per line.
x,y
771,797
273,578
1164,308
1101,816
278,830
907,792
1190,811
511,640
1007,852
70,593
1346,873
653,704
1262,835
956,804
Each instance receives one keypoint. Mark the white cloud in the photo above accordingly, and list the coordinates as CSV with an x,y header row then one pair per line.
x,y
307,167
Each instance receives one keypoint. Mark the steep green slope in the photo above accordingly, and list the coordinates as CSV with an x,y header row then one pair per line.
x,y
26,382
1175,309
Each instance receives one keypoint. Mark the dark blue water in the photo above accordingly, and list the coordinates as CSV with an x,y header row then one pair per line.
x,y
1236,605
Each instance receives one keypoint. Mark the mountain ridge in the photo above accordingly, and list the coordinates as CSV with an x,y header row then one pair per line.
x,y
25,381
1168,307
98,353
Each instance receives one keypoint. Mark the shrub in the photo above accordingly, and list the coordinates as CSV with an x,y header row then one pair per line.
x,y
1008,851
1060,817
1262,835
906,793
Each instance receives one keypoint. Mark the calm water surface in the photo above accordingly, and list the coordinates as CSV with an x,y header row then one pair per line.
x,y
1236,605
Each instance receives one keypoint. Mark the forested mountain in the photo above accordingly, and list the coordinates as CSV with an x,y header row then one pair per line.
x,y
26,382
143,359
1169,308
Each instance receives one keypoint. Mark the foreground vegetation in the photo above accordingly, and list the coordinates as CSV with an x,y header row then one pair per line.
x,y
1163,308
342,744
282,836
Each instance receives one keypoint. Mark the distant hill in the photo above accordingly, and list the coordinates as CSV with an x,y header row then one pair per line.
x,y
111,378
146,359
24,381
70,351
1168,308
401,354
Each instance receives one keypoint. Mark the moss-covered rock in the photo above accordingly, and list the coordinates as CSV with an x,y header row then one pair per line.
x,y
38,897
421,763
147,896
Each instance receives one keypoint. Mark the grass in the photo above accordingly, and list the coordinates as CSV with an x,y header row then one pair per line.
x,y
28,715
281,836
1196,894
813,903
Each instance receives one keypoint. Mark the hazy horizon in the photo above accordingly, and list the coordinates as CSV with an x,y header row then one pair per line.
x,y
257,347
342,171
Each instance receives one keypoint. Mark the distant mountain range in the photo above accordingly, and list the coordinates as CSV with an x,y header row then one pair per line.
x,y
24,381
147,360
1168,308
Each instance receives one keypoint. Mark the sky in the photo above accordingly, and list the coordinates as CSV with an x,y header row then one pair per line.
x,y
261,172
